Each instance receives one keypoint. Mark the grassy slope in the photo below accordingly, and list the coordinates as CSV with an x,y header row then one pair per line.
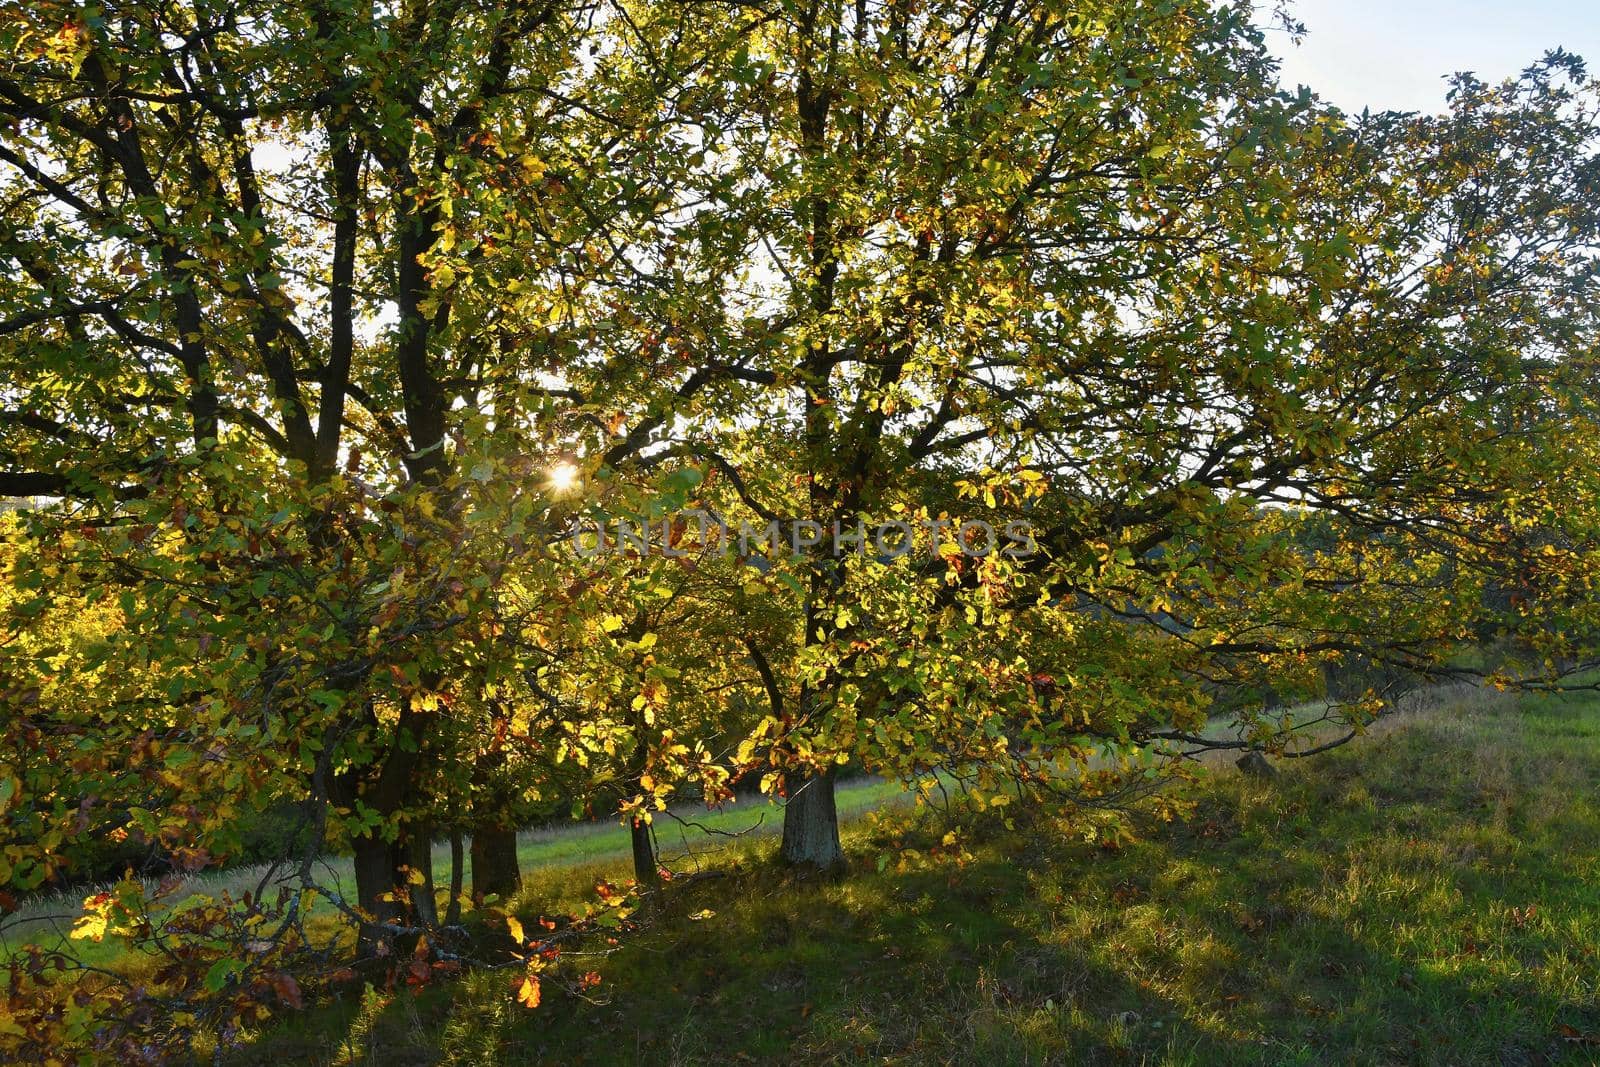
x,y
1430,896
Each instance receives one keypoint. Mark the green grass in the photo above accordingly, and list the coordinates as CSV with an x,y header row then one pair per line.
x,y
1428,895
695,836
685,836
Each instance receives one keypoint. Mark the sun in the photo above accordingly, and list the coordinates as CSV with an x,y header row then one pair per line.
x,y
563,476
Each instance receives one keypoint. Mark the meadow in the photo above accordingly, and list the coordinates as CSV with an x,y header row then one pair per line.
x,y
1429,894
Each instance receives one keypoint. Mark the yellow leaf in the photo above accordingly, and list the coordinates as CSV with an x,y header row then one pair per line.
x,y
516,934
91,926
528,995
94,921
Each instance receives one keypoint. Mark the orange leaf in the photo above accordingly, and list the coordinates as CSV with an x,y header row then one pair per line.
x,y
418,972
288,991
528,995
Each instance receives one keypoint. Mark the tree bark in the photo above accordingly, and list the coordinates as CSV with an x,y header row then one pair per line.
x,y
423,903
811,827
494,862
380,864
379,875
646,868
494,833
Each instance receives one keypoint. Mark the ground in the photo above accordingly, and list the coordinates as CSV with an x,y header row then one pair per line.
x,y
1429,895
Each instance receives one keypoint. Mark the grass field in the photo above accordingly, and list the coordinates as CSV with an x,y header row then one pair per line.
x,y
48,919
1428,895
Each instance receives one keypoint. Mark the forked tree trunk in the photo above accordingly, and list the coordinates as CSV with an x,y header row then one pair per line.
x,y
646,868
811,826
494,862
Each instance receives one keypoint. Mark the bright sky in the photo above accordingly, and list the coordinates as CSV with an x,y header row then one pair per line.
x,y
1394,54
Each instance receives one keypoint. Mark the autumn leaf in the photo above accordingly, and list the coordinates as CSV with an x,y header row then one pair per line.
x,y
288,990
96,918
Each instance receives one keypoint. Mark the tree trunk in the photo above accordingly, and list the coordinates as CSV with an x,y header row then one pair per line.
x,y
380,864
811,827
494,862
452,907
646,869
423,902
379,875
494,842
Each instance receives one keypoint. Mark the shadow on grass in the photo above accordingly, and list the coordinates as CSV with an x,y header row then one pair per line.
x,y
1429,901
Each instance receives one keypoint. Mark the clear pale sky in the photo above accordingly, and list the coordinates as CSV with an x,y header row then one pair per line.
x,y
1394,54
